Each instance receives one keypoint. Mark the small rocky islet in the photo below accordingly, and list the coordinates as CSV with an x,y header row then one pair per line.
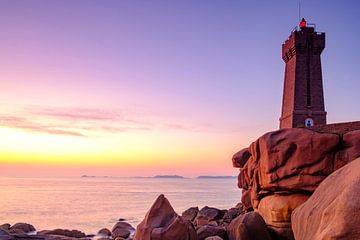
x,y
296,184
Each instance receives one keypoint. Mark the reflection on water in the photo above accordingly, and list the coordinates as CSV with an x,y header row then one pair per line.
x,y
89,204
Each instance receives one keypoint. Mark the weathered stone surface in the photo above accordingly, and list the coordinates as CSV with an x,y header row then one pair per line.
x,y
249,226
331,212
246,200
294,159
276,209
350,149
25,227
161,222
176,230
240,158
208,214
121,229
64,232
210,230
190,213
233,213
105,232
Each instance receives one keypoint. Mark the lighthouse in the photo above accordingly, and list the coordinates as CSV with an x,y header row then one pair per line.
x,y
303,94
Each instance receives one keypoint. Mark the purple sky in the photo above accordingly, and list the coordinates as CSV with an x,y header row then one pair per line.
x,y
205,66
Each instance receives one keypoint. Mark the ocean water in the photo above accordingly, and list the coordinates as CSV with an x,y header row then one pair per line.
x,y
89,204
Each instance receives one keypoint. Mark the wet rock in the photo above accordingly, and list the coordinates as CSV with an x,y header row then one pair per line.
x,y
209,231
25,227
122,229
190,213
333,209
162,222
64,232
248,226
104,232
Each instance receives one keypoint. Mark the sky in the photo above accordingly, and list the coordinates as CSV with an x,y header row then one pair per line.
x,y
139,88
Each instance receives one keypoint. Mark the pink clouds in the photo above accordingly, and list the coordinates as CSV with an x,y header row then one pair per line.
x,y
86,122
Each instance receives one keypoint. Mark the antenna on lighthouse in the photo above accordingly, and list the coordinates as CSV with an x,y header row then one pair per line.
x,y
299,11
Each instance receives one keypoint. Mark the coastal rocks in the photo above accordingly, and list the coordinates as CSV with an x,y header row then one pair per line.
x,y
208,214
104,232
190,213
161,222
24,227
249,226
331,212
64,232
121,230
232,213
276,211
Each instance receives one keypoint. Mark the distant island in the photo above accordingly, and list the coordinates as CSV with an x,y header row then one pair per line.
x,y
168,176
216,177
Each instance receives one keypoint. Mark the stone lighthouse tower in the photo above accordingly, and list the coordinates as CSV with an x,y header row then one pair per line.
x,y
303,96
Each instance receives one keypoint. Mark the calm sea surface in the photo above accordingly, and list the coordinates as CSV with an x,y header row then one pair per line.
x,y
89,204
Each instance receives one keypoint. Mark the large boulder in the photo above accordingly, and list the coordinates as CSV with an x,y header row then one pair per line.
x,y
350,149
331,212
276,211
294,159
249,226
162,222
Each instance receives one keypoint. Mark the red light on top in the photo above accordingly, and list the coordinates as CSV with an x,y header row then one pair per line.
x,y
303,23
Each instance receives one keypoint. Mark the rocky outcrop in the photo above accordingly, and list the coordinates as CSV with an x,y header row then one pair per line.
x,y
162,222
281,168
249,226
331,212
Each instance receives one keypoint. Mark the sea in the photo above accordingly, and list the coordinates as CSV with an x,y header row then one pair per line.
x,y
91,203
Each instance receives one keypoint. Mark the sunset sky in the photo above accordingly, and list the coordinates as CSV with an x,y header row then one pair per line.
x,y
130,88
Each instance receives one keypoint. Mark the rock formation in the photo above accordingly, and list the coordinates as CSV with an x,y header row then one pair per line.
x,y
333,209
162,222
249,226
281,169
